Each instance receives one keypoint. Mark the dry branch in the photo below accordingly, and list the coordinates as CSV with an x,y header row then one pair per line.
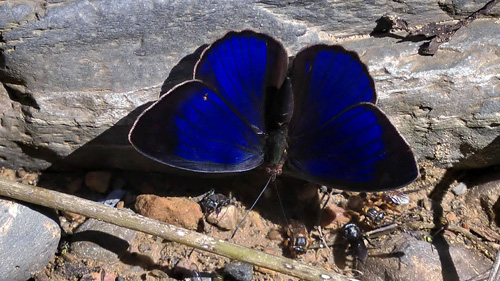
x,y
65,202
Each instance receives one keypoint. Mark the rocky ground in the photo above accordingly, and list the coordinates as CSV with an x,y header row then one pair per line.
x,y
447,231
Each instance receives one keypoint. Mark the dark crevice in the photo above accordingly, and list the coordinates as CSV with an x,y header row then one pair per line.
x,y
23,98
448,268
449,9
2,57
496,210
38,152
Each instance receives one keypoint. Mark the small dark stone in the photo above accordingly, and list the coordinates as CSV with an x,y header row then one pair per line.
x,y
238,271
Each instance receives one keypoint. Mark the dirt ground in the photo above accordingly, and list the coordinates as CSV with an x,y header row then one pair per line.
x,y
265,229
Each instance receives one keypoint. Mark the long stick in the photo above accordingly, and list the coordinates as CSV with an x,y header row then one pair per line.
x,y
65,202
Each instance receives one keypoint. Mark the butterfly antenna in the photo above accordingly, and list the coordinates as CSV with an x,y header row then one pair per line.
x,y
328,195
281,205
253,205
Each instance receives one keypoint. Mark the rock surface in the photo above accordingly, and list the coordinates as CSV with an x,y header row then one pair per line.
x,y
482,206
28,240
101,241
74,73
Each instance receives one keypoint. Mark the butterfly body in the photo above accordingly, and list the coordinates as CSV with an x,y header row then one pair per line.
x,y
241,110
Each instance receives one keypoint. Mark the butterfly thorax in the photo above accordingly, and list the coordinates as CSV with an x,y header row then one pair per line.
x,y
278,112
279,109
276,151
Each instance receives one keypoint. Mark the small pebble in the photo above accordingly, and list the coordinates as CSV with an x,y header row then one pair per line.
x,y
8,174
275,234
355,203
226,218
459,189
98,181
31,179
238,271
21,173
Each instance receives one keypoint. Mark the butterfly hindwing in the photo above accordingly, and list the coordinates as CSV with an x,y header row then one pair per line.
x,y
337,136
193,128
215,122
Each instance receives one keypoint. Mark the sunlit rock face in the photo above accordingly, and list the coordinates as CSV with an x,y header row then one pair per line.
x,y
75,74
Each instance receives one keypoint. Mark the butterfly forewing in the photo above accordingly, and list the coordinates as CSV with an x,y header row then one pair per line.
x,y
243,66
215,123
337,137
326,80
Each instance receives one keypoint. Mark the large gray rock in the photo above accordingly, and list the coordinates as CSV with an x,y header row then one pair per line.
x,y
101,241
28,240
74,72
404,258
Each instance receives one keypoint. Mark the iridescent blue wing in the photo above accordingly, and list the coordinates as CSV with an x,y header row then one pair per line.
x,y
337,136
215,122
326,80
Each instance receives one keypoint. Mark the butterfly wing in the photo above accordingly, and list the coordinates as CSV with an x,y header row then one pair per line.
x,y
337,135
215,122
325,81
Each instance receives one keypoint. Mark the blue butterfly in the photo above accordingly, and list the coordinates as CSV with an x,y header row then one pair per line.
x,y
245,107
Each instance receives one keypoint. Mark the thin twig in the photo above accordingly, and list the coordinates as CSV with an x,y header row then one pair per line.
x,y
124,218
382,230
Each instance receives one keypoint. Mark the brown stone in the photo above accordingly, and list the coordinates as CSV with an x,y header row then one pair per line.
x,y
275,234
8,174
174,210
